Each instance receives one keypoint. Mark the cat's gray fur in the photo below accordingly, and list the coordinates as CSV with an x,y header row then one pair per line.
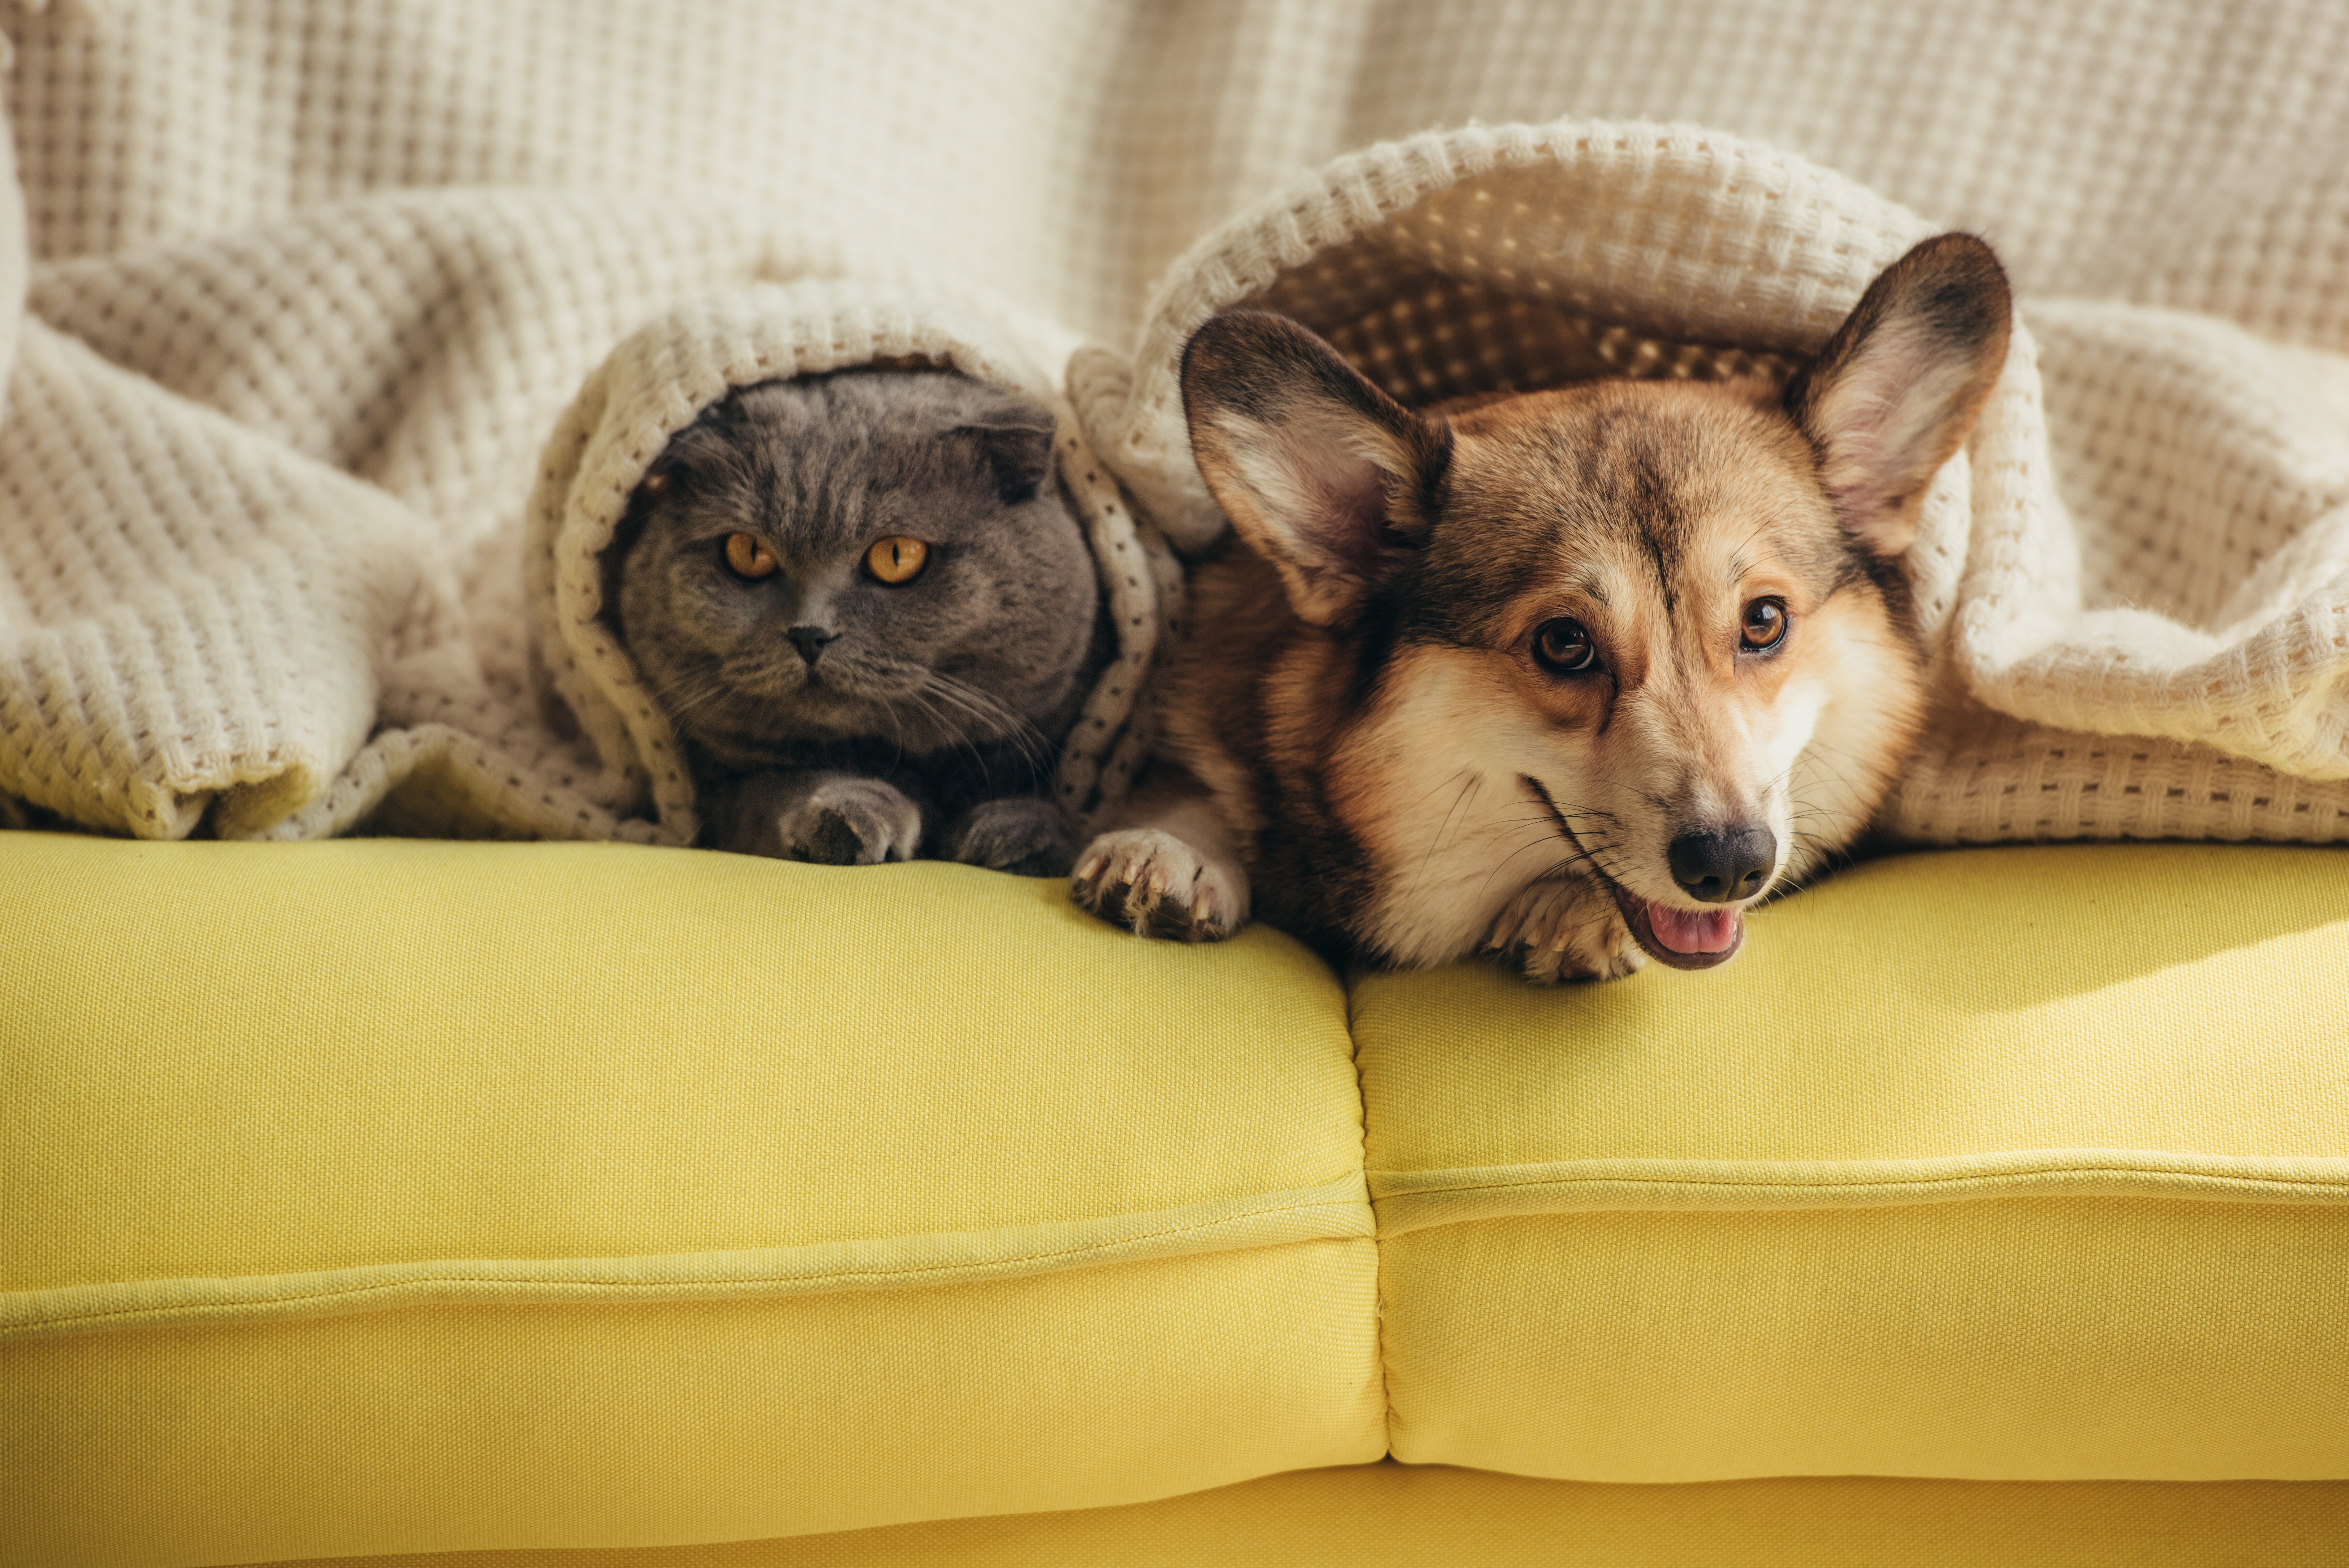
x,y
930,722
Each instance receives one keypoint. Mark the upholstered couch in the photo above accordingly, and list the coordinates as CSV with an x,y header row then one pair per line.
x,y
377,1197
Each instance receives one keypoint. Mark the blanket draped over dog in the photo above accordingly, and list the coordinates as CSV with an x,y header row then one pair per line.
x,y
335,339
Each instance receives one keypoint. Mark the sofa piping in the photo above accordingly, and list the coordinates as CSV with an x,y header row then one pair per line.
x,y
1408,1200
1337,1211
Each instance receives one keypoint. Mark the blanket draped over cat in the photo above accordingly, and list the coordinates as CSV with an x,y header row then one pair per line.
x,y
325,387
658,380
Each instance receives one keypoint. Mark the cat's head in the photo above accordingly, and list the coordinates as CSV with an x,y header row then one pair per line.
x,y
869,554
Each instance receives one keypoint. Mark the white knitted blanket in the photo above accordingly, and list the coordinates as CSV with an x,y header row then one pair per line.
x,y
297,302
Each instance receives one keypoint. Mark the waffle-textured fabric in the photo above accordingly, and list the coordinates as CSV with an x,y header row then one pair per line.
x,y
399,1196
493,694
308,287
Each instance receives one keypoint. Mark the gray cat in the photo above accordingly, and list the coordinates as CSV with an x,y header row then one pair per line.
x,y
872,617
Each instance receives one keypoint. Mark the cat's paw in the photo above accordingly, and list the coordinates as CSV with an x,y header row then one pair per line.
x,y
1154,884
1020,834
851,822
1565,929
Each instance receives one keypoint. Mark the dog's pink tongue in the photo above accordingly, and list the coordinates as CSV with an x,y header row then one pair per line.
x,y
1710,932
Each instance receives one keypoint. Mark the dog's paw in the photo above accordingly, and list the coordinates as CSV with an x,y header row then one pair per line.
x,y
1565,929
1158,886
1020,834
851,822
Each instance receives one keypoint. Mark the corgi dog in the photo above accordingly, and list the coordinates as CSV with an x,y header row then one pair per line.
x,y
1571,675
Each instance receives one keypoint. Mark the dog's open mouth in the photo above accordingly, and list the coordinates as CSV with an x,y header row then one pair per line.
x,y
1677,937
1680,937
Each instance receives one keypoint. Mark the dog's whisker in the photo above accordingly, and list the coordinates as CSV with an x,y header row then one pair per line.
x,y
1436,789
1474,782
1550,837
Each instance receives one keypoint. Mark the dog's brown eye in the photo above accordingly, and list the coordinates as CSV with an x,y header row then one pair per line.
x,y
1765,624
749,557
899,558
1563,647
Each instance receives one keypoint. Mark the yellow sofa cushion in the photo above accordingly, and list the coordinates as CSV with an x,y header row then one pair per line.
x,y
1429,1516
2025,1163
396,1197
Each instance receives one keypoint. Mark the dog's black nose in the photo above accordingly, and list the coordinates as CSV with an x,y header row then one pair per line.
x,y
1722,867
810,641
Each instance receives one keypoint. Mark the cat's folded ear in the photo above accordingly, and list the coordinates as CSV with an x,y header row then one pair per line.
x,y
1017,448
1898,387
1327,476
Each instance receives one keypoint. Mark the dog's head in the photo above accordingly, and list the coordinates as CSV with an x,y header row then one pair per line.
x,y
1650,633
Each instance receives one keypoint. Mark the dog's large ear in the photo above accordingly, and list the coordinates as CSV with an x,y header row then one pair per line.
x,y
1897,389
1325,475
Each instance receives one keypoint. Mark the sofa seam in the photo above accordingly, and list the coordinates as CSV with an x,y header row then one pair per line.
x,y
1378,1241
685,1288
2311,1183
1918,1191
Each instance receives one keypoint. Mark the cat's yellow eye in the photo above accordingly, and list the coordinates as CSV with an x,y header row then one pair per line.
x,y
899,558
749,557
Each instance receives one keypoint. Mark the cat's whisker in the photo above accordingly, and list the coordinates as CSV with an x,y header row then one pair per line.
x,y
688,698
943,720
1013,728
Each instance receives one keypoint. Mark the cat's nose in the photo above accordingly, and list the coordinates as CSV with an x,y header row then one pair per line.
x,y
810,641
